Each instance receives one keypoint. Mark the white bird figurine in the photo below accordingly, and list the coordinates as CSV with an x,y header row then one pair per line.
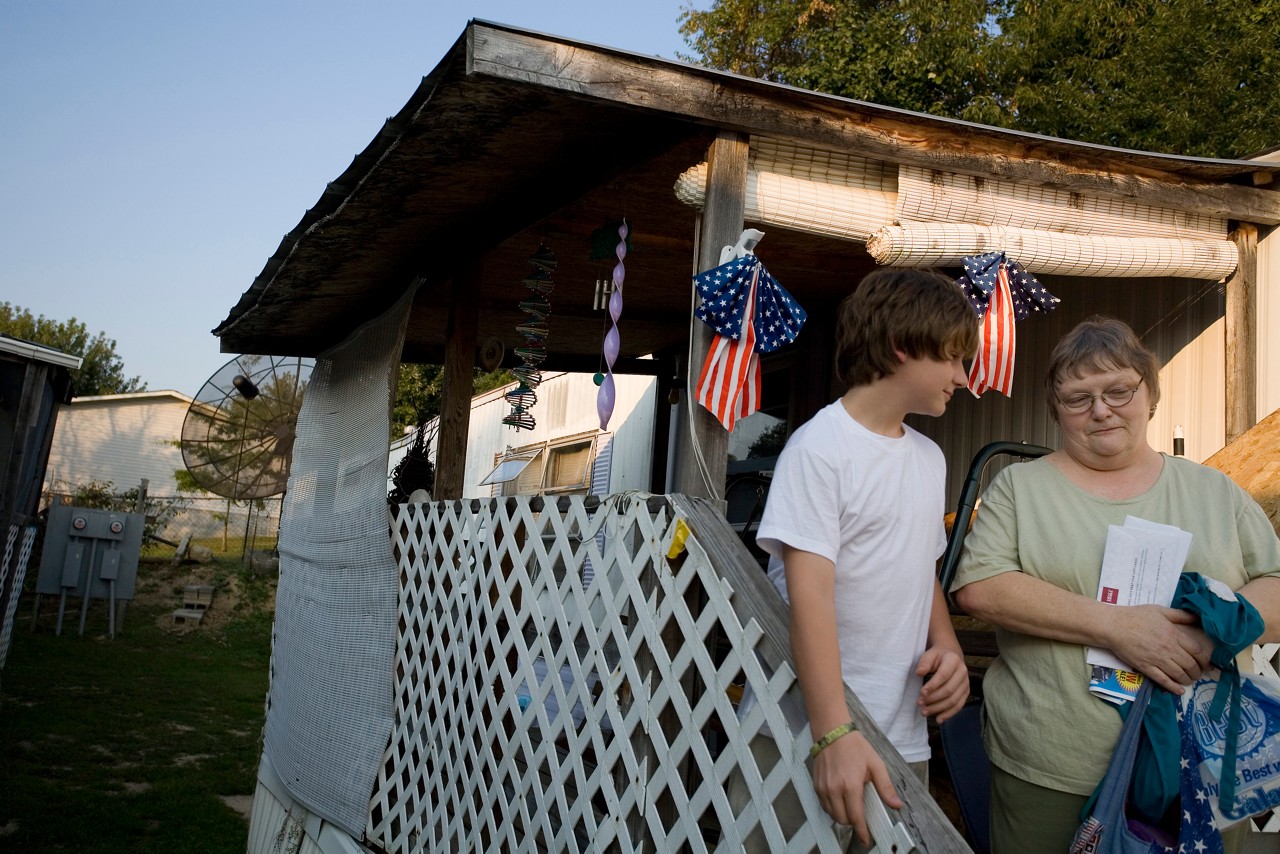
x,y
745,246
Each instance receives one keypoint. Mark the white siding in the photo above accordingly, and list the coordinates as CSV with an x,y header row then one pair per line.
x,y
1268,322
566,407
120,438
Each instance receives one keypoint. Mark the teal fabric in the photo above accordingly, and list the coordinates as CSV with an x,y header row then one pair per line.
x,y
1232,626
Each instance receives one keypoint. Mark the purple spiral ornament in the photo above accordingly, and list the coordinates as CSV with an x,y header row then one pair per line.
x,y
606,397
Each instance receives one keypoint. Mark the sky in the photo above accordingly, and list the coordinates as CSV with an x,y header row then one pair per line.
x,y
154,152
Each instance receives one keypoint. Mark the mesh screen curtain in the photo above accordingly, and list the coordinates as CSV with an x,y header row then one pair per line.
x,y
330,705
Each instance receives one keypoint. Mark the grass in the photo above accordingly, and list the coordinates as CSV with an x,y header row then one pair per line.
x,y
129,744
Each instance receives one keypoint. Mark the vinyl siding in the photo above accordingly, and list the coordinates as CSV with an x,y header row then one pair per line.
x,y
122,439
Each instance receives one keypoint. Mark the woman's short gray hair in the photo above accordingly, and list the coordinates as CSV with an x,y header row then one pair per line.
x,y
1100,344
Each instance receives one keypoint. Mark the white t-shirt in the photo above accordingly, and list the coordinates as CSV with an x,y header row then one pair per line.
x,y
873,505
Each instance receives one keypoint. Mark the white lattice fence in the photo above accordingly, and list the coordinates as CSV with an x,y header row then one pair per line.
x,y
1266,661
536,713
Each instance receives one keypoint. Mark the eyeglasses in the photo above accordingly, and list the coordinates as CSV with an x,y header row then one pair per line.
x,y
1112,397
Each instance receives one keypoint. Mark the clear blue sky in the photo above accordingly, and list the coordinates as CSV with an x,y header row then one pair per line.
x,y
154,152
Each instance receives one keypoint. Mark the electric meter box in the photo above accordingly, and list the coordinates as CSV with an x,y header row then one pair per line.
x,y
102,543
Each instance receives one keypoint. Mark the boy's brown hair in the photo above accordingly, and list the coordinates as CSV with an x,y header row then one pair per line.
x,y
918,312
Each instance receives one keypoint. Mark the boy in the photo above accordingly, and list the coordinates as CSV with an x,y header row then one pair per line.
x,y
854,528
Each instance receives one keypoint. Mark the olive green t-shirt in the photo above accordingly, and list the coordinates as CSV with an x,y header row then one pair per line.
x,y
1043,725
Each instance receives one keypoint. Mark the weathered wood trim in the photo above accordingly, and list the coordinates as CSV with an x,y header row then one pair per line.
x,y
1242,334
761,108
721,225
457,382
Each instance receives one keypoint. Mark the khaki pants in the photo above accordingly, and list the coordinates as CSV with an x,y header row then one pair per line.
x,y
1028,819
787,806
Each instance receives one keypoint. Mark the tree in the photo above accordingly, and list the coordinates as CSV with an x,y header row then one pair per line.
x,y
418,393
924,55
1189,77
102,371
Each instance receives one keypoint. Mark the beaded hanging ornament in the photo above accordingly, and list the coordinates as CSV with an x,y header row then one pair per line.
x,y
534,331
605,398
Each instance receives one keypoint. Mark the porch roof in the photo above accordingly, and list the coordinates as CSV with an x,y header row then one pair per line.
x,y
518,138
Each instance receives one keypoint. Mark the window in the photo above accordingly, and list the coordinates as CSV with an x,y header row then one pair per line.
x,y
556,467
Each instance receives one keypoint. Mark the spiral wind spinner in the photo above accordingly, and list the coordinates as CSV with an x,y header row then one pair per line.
x,y
605,398
528,375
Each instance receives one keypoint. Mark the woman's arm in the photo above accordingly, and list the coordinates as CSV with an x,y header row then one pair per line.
x,y
1264,594
1162,643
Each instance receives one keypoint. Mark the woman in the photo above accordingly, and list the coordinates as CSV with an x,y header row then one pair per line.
x,y
1031,568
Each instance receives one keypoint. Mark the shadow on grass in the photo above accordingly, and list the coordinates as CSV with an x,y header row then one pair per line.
x,y
128,745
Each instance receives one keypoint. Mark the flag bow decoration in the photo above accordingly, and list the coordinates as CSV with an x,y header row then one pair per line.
x,y
751,314
1001,292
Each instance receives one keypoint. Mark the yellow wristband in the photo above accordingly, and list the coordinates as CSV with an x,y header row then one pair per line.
x,y
828,739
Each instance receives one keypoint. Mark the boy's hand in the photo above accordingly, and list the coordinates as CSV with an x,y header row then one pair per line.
x,y
946,687
839,774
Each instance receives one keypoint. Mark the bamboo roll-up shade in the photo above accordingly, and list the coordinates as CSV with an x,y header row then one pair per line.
x,y
836,210
1048,252
929,195
827,167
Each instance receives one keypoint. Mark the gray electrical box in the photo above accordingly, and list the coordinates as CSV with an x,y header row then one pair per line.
x,y
90,554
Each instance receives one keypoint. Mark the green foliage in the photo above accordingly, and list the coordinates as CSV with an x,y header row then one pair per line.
x,y
924,55
419,389
769,443
102,371
101,495
1190,77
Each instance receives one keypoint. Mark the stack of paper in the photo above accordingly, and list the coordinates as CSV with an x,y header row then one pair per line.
x,y
1140,566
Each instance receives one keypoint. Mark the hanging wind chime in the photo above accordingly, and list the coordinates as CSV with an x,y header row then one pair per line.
x,y
607,396
534,331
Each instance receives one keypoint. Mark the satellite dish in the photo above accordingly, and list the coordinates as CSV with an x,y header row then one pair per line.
x,y
237,438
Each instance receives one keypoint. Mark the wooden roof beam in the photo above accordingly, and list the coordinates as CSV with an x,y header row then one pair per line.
x,y
752,106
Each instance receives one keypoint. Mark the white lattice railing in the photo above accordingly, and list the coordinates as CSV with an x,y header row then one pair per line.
x,y
1266,661
562,684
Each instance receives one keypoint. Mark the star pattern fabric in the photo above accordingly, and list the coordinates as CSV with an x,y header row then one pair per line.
x,y
1197,833
777,318
1001,292
979,283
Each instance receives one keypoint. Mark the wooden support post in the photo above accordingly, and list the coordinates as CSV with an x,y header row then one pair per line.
x,y
457,384
722,223
1242,334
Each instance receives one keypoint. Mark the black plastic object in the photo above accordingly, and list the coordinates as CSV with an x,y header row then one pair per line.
x,y
969,499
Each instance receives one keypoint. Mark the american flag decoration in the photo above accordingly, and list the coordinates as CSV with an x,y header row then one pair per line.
x,y
751,314
1001,292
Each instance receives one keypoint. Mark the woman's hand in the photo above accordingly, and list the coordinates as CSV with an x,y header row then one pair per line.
x,y
946,688
1165,644
840,773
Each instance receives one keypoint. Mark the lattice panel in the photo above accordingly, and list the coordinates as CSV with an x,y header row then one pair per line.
x,y
533,713
1266,661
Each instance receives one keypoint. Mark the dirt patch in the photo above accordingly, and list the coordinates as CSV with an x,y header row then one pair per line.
x,y
161,584
190,759
242,804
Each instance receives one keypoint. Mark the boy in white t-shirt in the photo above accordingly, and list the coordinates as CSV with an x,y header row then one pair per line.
x,y
854,527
